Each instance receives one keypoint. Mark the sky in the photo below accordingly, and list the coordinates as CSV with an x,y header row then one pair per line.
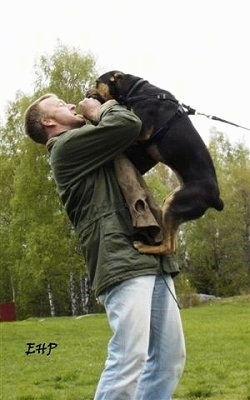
x,y
197,49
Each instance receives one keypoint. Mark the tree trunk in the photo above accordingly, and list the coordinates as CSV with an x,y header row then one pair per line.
x,y
73,294
51,301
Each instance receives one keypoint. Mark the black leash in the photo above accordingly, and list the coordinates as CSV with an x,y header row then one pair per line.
x,y
192,111
170,291
129,100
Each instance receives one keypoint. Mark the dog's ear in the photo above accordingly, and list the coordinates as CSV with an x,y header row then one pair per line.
x,y
116,76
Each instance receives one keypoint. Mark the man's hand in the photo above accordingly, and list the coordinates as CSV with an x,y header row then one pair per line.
x,y
90,109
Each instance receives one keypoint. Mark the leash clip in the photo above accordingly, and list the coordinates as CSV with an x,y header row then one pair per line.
x,y
180,110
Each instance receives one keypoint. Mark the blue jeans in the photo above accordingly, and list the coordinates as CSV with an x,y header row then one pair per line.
x,y
146,354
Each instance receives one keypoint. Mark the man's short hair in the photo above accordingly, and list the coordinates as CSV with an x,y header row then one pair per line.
x,y
33,120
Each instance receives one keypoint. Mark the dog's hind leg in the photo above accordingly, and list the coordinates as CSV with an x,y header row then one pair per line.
x,y
167,246
170,226
184,204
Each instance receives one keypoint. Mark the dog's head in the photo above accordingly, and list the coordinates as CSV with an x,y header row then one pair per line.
x,y
112,85
108,84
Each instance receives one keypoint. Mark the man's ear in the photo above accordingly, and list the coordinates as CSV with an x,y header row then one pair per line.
x,y
46,121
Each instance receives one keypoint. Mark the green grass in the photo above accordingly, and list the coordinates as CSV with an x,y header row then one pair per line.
x,y
218,351
217,367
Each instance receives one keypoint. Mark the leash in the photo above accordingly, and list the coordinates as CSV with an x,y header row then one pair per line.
x,y
192,111
163,96
170,291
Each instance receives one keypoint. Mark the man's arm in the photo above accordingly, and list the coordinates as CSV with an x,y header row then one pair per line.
x,y
91,146
137,152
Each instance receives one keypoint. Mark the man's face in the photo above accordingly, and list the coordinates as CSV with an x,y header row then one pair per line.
x,y
57,111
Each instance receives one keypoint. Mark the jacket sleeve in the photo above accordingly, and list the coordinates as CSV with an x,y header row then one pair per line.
x,y
90,146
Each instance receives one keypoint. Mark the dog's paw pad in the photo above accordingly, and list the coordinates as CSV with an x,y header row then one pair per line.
x,y
138,245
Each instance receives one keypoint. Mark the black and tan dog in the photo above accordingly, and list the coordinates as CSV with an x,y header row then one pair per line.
x,y
167,136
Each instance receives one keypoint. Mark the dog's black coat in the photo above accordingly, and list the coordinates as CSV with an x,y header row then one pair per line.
x,y
168,136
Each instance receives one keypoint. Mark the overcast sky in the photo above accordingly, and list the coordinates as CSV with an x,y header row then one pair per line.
x,y
197,49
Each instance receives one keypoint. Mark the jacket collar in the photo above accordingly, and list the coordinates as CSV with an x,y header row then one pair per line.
x,y
50,143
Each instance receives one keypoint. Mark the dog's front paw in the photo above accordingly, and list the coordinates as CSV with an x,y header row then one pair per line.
x,y
93,93
138,246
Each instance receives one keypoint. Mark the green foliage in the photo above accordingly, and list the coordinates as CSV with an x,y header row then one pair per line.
x,y
42,245
161,181
7,165
67,73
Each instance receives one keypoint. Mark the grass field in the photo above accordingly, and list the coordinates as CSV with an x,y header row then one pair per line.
x,y
217,368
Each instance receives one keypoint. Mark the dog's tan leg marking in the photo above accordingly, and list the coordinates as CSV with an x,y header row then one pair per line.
x,y
168,245
169,242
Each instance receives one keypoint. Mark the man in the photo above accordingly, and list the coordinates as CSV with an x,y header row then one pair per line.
x,y
146,353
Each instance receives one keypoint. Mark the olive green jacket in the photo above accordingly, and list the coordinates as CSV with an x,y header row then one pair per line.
x,y
82,164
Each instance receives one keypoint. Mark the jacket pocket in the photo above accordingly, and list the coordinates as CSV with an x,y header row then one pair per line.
x,y
117,222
